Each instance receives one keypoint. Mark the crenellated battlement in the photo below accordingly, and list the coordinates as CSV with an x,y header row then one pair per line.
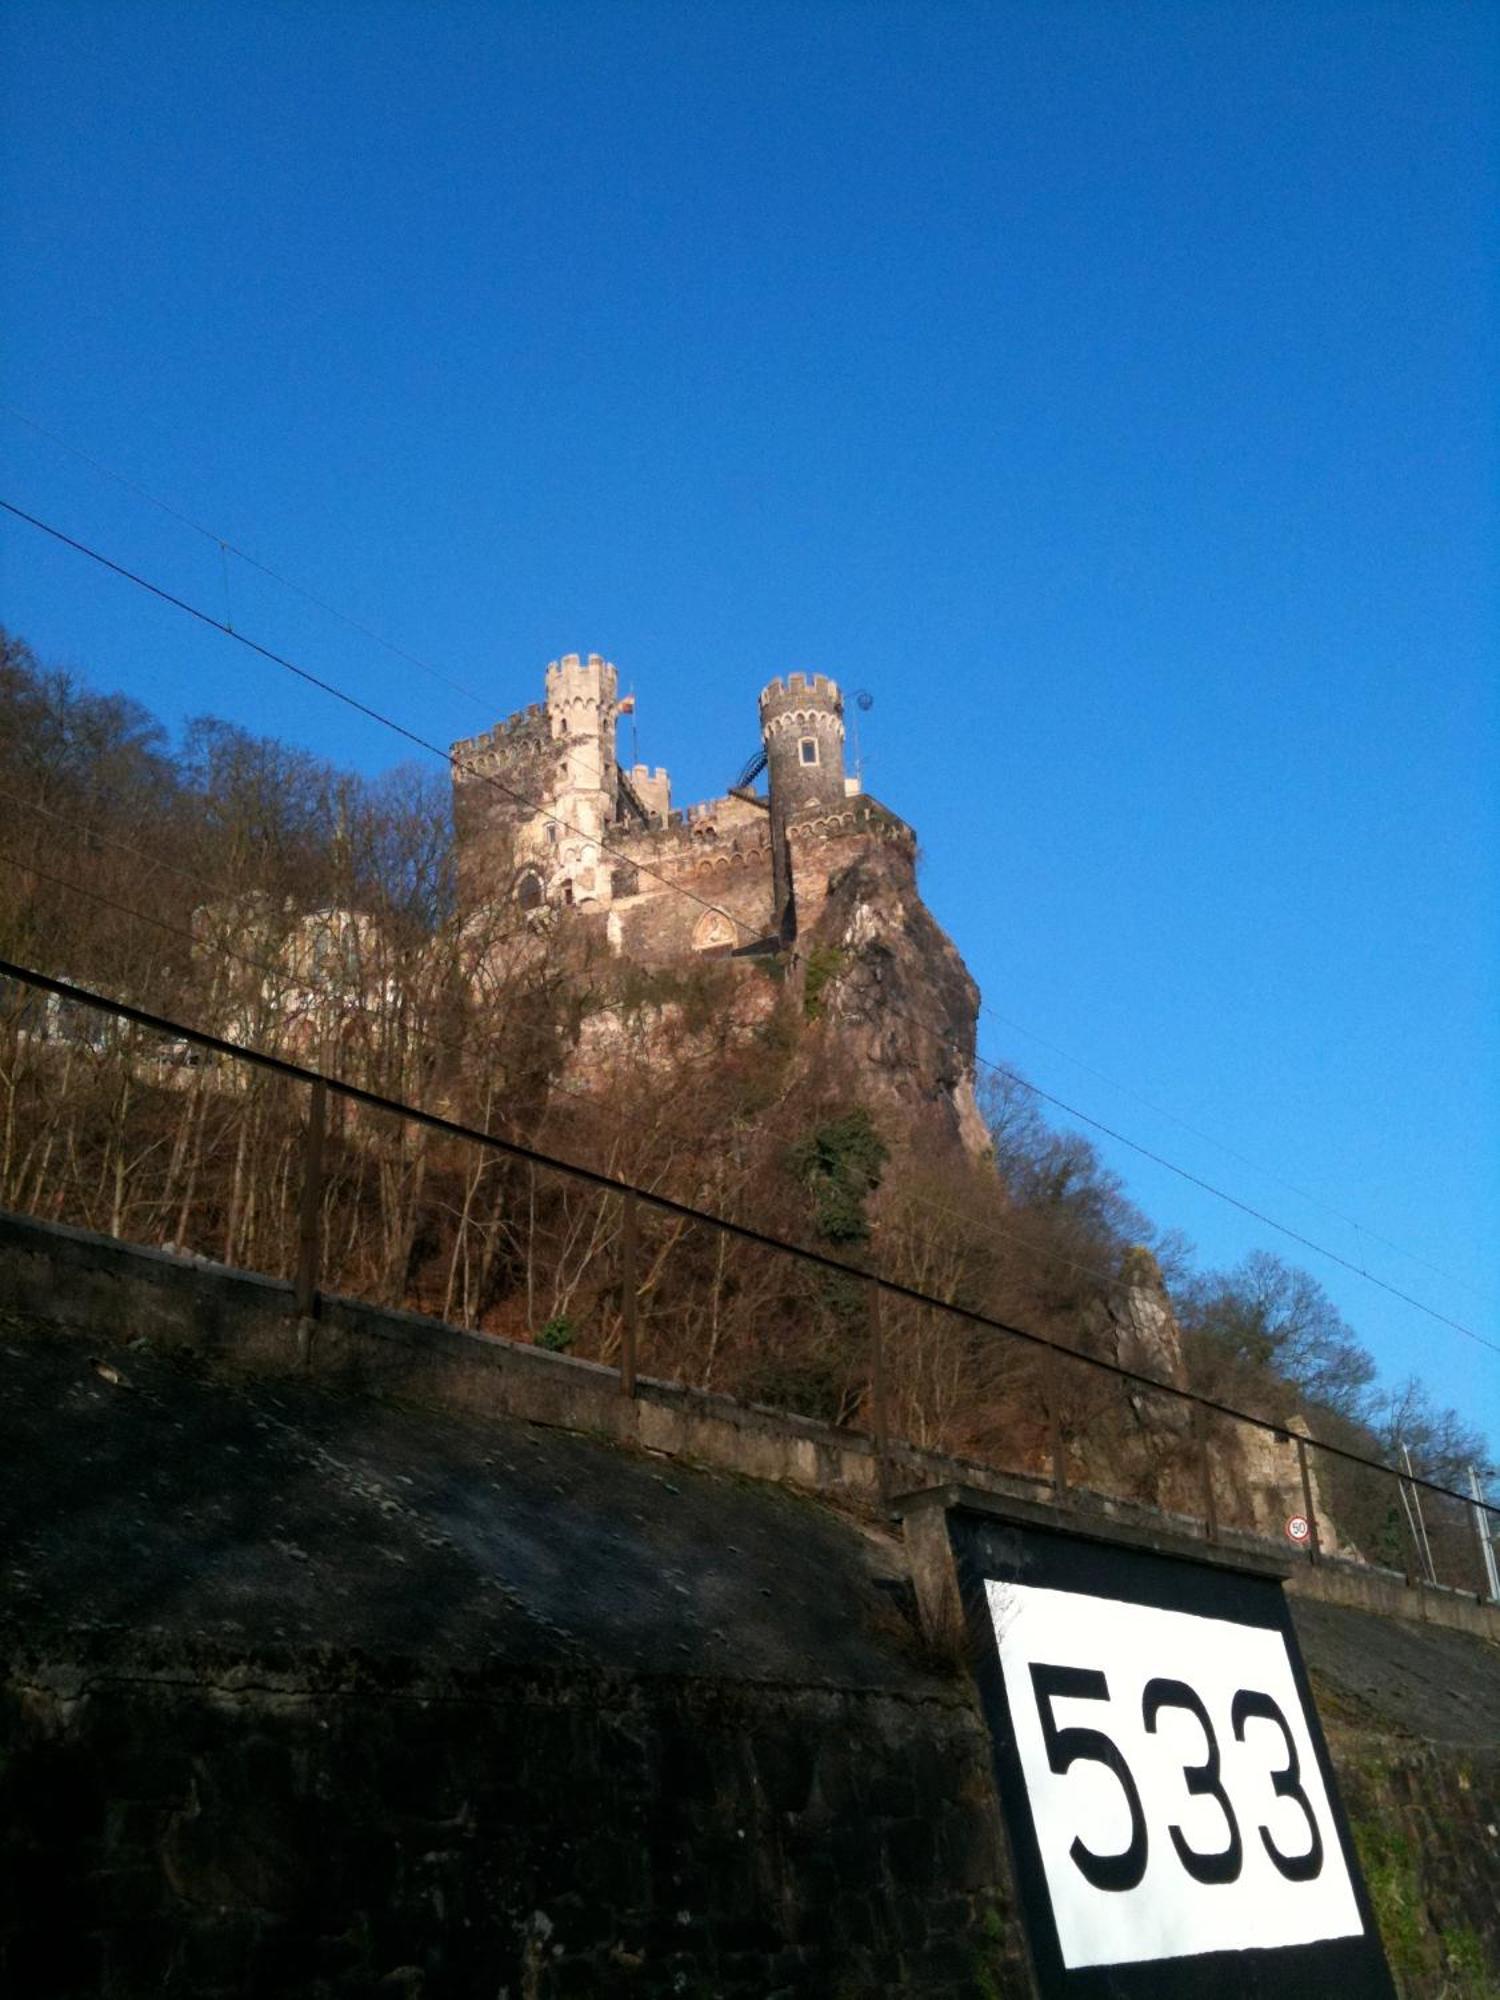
x,y
695,833
474,754
812,691
573,682
725,805
652,789
858,818
770,856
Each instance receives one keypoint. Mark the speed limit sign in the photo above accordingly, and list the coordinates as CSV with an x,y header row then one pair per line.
x,y
1298,1528
1172,1811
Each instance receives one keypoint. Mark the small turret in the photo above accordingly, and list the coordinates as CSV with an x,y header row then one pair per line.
x,y
581,712
802,727
581,696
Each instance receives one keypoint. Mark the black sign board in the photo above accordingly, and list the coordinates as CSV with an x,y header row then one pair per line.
x,y
1172,1811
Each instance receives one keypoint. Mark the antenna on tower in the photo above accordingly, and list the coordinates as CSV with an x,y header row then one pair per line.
x,y
864,701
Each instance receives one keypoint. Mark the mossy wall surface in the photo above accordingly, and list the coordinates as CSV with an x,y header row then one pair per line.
x,y
1412,1717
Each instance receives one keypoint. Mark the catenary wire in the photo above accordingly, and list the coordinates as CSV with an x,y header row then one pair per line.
x,y
227,547
408,735
278,974
1231,1152
684,1211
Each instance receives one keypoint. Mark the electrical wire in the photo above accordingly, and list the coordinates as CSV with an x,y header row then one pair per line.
x,y
1244,1207
411,736
227,548
684,1211
279,975
336,693
1231,1152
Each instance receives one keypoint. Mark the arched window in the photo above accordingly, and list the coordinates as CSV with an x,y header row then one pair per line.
x,y
807,749
529,890
714,932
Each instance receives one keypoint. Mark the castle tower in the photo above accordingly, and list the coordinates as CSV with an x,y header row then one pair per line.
x,y
802,727
581,712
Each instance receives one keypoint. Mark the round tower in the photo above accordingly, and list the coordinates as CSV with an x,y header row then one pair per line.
x,y
802,727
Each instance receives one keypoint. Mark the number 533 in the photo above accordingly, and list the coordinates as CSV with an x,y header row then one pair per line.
x,y
1073,1743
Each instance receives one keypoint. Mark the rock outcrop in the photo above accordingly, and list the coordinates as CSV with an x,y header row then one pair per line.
x,y
890,985
1135,1325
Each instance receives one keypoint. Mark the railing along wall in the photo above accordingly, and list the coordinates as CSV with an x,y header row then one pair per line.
x,y
1407,1523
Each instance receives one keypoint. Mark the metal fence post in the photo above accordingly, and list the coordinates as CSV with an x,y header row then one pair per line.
x,y
1484,1535
1206,1470
1314,1545
1055,1444
310,1215
879,1411
629,1304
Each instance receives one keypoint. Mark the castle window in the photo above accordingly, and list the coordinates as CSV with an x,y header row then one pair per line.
x,y
552,833
808,749
714,932
529,891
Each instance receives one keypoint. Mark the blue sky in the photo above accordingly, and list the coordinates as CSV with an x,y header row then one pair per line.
x,y
1107,390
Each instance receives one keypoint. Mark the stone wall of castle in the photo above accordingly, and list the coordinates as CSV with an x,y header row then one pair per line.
x,y
540,799
544,816
708,889
492,774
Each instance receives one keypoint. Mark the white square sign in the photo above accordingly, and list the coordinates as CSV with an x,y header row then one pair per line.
x,y
1176,1795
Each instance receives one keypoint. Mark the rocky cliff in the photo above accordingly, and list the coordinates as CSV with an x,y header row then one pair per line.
x,y
888,980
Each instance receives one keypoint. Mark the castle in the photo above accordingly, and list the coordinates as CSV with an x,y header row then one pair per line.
x,y
547,816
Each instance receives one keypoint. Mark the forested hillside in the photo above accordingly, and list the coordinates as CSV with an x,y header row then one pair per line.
x,y
246,888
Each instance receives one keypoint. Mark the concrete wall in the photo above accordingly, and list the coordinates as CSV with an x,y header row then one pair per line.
x,y
357,1659
85,1280
304,1693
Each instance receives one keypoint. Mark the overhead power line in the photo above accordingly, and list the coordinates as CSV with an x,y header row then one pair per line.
x,y
1244,1207
421,742
375,715
279,976
1231,1152
607,1183
227,547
